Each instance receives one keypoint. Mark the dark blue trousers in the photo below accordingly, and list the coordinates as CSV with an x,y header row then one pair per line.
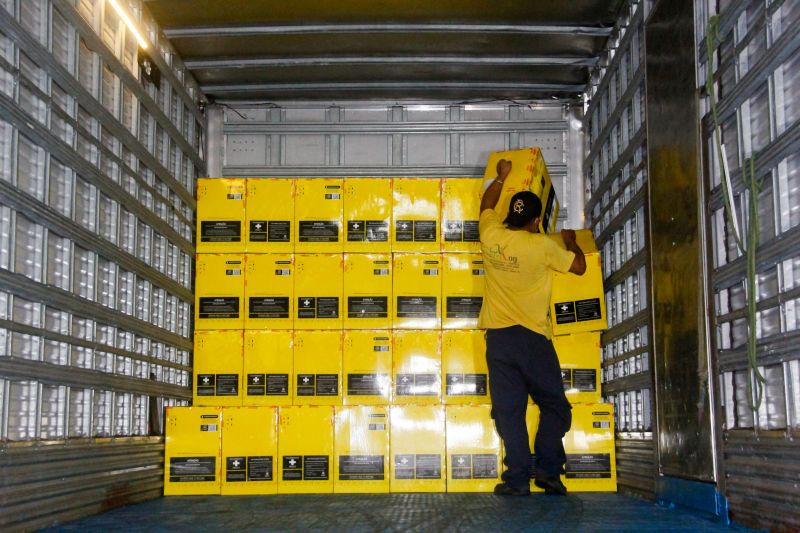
x,y
523,363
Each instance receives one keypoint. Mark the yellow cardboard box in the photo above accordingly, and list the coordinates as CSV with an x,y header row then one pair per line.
x,y
528,173
219,291
579,356
269,218
418,448
269,291
192,450
318,214
305,446
361,444
417,289
218,367
578,303
368,291
462,289
318,367
268,367
417,367
461,201
220,213
368,214
367,364
473,449
466,376
318,289
416,214
249,450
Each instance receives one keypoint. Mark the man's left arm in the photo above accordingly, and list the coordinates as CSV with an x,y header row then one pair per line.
x,y
492,194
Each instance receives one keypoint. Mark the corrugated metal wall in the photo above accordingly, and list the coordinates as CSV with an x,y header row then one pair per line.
x,y
756,66
97,170
616,210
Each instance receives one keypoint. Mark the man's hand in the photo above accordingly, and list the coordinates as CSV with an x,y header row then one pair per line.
x,y
492,194
579,263
568,235
503,169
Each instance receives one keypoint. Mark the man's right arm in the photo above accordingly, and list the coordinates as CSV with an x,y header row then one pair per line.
x,y
579,263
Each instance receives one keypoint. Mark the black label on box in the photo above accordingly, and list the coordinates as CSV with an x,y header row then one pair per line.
x,y
318,231
277,231
256,384
466,384
584,379
587,309
416,385
484,466
277,384
356,230
361,467
206,384
589,465
328,307
315,467
471,231
566,378
366,384
189,469
424,231
428,466
327,385
463,306
306,307
259,468
416,306
235,469
227,385
292,468
367,306
461,466
565,312
404,466
268,307
306,384
377,230
221,231
548,208
219,307
258,231
404,230
453,231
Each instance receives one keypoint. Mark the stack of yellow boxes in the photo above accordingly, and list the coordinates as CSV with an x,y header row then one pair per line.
x,y
336,347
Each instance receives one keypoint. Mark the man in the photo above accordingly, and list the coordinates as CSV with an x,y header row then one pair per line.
x,y
519,262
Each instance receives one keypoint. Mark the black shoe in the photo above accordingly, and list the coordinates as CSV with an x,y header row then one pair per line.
x,y
551,485
504,489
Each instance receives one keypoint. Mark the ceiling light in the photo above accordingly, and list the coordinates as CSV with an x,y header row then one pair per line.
x,y
129,23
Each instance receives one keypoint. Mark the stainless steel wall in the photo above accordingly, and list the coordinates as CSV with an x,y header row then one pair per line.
x,y
97,170
617,211
756,67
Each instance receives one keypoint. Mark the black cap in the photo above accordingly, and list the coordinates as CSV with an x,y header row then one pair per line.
x,y
523,208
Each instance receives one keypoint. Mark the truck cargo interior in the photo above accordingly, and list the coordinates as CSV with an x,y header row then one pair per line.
x,y
241,273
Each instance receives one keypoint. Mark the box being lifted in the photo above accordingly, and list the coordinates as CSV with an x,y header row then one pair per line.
x,y
220,215
268,367
218,367
417,291
318,215
361,443
417,448
461,201
269,219
465,377
305,446
368,291
579,356
318,367
249,450
528,173
415,211
192,450
269,291
578,303
219,291
417,367
473,449
367,214
367,367
318,291
462,290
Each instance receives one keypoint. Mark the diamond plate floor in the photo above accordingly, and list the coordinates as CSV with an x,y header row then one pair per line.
x,y
398,512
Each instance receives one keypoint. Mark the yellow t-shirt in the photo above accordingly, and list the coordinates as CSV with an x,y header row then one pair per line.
x,y
519,275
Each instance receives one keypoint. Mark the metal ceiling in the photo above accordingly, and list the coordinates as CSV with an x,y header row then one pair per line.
x,y
455,50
